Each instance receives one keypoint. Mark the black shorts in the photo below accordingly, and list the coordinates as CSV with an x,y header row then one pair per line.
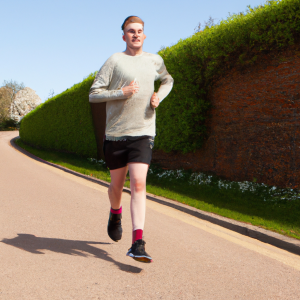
x,y
119,153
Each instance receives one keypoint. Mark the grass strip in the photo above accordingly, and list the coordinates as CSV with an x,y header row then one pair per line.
x,y
252,206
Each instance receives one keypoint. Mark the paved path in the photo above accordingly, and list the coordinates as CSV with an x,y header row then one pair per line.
x,y
53,245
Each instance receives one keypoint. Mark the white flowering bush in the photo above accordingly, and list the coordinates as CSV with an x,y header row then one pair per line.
x,y
100,162
176,174
261,190
198,179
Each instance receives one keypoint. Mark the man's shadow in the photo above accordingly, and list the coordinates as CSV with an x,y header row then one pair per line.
x,y
33,244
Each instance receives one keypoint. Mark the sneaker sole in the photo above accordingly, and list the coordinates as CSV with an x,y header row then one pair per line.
x,y
144,259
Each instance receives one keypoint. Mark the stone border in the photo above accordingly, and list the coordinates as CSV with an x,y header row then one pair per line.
x,y
266,236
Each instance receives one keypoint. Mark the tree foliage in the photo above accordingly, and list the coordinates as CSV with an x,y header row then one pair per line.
x,y
5,101
14,86
8,92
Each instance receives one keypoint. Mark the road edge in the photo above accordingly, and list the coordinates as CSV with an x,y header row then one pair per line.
x,y
266,236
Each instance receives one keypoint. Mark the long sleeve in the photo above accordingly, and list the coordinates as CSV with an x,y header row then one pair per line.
x,y
99,91
166,82
130,116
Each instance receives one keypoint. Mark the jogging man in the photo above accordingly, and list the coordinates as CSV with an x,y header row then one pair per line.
x,y
126,83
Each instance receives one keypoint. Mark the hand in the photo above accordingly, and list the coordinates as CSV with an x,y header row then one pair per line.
x,y
131,89
154,101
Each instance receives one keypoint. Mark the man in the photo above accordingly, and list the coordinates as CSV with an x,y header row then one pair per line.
x,y
126,83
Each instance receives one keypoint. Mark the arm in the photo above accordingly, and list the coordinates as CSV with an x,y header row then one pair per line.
x,y
165,87
99,91
166,82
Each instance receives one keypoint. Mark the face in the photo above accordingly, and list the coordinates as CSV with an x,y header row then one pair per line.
x,y
134,35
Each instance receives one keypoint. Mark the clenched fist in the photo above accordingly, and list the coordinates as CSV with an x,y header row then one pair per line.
x,y
131,89
154,101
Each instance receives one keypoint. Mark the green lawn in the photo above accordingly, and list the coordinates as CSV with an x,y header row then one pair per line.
x,y
268,207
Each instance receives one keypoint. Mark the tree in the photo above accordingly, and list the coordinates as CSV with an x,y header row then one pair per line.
x,y
5,102
13,87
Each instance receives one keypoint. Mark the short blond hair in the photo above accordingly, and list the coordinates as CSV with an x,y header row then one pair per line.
x,y
132,19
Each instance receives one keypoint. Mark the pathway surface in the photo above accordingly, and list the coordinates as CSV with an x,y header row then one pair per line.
x,y
53,245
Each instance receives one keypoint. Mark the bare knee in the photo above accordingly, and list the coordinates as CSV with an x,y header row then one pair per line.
x,y
138,185
115,189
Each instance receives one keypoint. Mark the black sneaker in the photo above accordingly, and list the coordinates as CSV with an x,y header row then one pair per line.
x,y
137,252
114,226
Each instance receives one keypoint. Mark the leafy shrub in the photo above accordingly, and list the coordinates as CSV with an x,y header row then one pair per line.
x,y
9,124
196,62
63,123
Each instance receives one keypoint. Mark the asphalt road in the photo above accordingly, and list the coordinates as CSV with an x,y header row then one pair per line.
x,y
54,245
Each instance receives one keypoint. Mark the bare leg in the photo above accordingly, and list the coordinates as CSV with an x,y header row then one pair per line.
x,y
115,189
138,175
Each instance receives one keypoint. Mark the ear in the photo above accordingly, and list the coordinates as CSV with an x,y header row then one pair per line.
x,y
145,36
123,37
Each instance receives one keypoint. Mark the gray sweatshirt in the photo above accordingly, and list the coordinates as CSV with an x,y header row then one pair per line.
x,y
129,117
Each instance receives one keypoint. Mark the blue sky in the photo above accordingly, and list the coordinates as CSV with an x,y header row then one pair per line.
x,y
53,44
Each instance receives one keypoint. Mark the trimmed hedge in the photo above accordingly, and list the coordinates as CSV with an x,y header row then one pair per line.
x,y
64,122
196,62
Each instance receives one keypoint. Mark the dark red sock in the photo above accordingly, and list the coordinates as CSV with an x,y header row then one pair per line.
x,y
116,211
137,235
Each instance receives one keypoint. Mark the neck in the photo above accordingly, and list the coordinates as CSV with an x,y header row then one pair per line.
x,y
134,52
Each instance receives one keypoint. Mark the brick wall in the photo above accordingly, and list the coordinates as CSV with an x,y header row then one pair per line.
x,y
254,129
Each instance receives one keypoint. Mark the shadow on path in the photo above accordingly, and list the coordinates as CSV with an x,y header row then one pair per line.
x,y
286,243
33,244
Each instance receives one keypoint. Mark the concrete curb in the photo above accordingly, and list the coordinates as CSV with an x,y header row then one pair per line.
x,y
286,243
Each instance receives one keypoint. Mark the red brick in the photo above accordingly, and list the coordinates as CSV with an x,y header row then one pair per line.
x,y
254,131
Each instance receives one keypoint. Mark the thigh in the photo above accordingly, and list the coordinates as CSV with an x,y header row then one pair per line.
x,y
118,176
138,172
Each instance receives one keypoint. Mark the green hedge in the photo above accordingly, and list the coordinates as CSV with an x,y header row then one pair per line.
x,y
63,123
196,62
